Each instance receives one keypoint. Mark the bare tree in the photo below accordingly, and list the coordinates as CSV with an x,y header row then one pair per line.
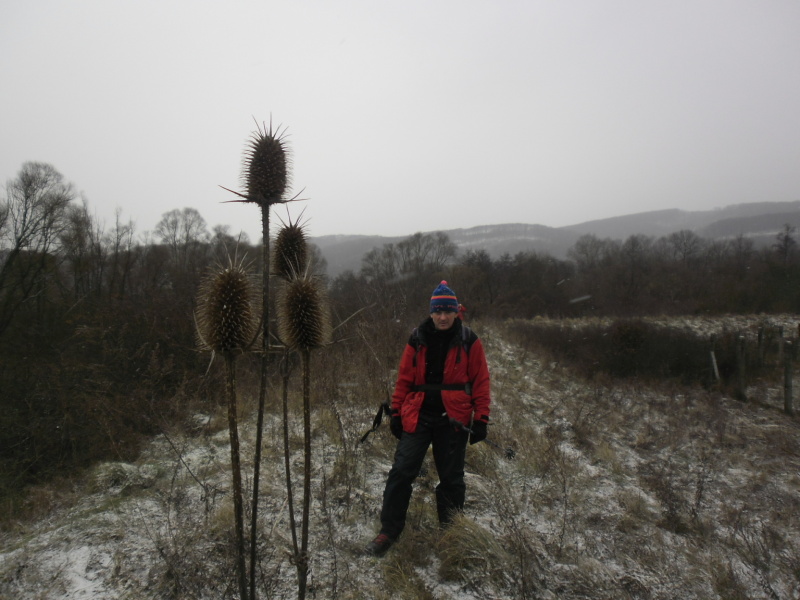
x,y
83,251
121,247
184,232
685,245
380,264
425,252
588,252
31,221
785,244
480,280
743,251
181,230
634,255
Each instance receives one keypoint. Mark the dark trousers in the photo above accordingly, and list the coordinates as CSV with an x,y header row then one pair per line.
x,y
449,448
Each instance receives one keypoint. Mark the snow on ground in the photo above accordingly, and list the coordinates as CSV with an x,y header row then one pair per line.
x,y
613,492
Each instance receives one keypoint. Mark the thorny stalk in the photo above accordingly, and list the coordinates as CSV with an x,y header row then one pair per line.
x,y
262,393
230,363
286,451
330,526
302,564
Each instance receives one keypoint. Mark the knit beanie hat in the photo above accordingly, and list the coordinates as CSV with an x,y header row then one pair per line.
x,y
444,299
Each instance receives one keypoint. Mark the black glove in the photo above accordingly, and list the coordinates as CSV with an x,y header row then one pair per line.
x,y
478,432
396,425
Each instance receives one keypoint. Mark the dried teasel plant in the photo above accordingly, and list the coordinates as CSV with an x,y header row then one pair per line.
x,y
226,315
265,177
227,325
266,167
290,257
290,254
304,324
303,314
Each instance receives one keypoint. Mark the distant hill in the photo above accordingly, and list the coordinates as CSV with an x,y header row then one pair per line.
x,y
663,222
755,226
344,252
760,221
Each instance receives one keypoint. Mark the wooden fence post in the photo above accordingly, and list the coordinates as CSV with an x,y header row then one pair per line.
x,y
787,379
714,367
740,367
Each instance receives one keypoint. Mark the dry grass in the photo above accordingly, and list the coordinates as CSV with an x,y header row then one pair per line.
x,y
472,554
617,490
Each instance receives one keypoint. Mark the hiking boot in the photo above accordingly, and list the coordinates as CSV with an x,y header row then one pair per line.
x,y
379,545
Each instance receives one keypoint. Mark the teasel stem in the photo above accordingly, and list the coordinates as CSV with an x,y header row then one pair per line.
x,y
262,395
225,325
230,363
286,450
266,176
303,562
303,325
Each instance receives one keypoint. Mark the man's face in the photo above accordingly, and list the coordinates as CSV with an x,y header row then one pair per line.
x,y
443,320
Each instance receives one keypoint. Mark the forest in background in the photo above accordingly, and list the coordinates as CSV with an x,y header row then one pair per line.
x,y
97,335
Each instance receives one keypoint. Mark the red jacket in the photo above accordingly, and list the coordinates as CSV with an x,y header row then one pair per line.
x,y
460,366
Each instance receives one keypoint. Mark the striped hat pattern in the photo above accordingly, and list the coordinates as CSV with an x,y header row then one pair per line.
x,y
444,299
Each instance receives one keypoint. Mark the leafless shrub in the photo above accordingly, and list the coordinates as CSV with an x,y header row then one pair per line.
x,y
662,479
759,546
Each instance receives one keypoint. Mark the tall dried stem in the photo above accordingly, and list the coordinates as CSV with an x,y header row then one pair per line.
x,y
265,174
226,325
236,468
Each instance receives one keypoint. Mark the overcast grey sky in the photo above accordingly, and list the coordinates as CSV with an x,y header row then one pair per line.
x,y
408,116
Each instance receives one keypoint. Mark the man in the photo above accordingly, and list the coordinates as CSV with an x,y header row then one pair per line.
x,y
442,388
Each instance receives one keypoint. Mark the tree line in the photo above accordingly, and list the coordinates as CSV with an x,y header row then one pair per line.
x,y
680,273
96,327
97,342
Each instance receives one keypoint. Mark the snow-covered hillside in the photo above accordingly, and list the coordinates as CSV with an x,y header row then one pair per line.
x,y
615,491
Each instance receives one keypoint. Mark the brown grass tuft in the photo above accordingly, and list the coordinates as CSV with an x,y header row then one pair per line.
x,y
472,554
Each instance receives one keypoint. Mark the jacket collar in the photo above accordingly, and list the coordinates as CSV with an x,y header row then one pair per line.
x,y
427,328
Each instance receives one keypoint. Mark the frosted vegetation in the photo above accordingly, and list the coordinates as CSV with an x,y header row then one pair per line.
x,y
617,489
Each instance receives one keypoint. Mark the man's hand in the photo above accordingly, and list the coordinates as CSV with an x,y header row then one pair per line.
x,y
396,426
478,432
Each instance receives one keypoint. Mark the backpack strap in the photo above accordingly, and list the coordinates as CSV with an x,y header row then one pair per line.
x,y
468,338
414,341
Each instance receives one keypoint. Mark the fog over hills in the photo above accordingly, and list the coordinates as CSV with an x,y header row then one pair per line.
x,y
760,221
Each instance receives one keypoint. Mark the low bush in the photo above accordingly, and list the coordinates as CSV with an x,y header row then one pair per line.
x,y
634,348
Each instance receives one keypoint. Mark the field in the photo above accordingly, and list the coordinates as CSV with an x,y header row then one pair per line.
x,y
598,487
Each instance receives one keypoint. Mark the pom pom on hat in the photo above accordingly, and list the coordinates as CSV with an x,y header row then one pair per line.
x,y
444,299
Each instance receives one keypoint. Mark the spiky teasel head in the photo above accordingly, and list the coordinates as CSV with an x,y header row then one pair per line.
x,y
290,257
303,316
265,171
226,321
